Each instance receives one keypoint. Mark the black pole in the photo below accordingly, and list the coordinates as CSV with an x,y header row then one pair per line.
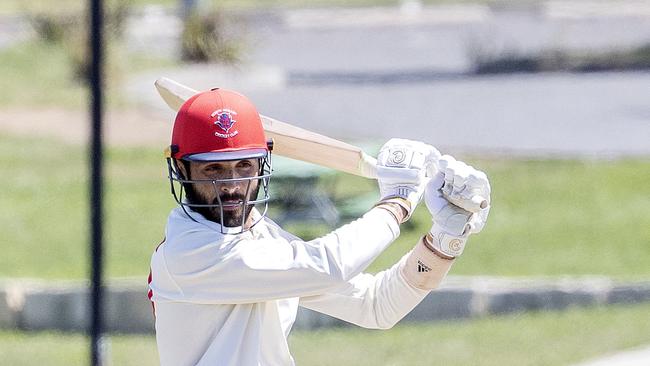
x,y
96,189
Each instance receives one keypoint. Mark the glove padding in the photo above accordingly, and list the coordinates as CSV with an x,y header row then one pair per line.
x,y
401,170
452,224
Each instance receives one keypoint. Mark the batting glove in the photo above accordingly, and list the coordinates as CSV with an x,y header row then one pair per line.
x,y
452,225
401,171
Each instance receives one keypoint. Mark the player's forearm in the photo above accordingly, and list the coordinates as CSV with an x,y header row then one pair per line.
x,y
406,284
424,267
380,301
371,301
351,248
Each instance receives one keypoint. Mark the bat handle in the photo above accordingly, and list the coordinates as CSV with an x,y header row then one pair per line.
x,y
368,166
476,204
368,169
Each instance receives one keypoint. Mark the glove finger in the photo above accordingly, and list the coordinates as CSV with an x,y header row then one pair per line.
x,y
447,165
478,220
423,154
432,153
477,178
461,173
390,175
445,161
418,160
431,168
458,175
477,185
437,180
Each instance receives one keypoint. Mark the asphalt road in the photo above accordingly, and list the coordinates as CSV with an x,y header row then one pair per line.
x,y
598,115
439,38
379,73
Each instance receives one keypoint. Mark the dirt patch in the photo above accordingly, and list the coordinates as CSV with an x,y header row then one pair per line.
x,y
121,128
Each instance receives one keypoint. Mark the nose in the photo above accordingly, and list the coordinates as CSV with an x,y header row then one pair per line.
x,y
230,187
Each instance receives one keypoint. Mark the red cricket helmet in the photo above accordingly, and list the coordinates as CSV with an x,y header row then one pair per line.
x,y
218,124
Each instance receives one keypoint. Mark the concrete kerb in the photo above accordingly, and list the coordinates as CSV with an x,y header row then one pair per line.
x,y
61,308
495,296
626,294
128,309
8,316
34,305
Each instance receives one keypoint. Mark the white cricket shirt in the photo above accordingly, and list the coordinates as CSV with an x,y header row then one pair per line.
x,y
231,299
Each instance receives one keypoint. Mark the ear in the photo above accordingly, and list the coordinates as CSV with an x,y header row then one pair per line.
x,y
182,168
260,165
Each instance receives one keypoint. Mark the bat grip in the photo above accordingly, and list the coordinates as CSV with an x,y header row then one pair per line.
x,y
368,166
476,204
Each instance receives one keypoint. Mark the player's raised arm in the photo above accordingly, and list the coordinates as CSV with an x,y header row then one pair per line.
x,y
381,300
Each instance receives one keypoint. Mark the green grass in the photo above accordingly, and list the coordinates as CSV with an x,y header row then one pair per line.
x,y
548,217
532,339
39,74
64,349
46,229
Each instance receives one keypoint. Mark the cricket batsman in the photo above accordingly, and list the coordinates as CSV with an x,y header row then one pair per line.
x,y
226,282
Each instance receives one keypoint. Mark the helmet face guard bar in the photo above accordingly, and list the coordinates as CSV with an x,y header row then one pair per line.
x,y
178,188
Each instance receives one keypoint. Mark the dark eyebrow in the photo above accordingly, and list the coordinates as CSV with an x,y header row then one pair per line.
x,y
211,165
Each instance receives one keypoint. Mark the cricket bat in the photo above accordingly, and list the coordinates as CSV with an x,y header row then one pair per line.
x,y
300,144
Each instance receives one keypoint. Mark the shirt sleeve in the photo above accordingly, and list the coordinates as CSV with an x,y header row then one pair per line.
x,y
375,301
193,268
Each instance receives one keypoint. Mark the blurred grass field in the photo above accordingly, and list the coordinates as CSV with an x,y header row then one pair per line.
x,y
32,67
549,339
550,217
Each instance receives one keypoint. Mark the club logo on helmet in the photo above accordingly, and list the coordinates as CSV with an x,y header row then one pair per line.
x,y
225,121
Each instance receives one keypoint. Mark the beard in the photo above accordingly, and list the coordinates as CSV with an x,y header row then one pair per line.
x,y
231,217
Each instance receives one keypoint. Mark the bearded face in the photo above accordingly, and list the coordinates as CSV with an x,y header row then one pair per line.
x,y
224,186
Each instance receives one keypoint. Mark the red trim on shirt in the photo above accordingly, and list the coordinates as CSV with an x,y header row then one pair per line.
x,y
149,279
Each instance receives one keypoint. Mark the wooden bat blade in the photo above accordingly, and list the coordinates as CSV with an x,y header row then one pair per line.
x,y
297,143
173,93
290,141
